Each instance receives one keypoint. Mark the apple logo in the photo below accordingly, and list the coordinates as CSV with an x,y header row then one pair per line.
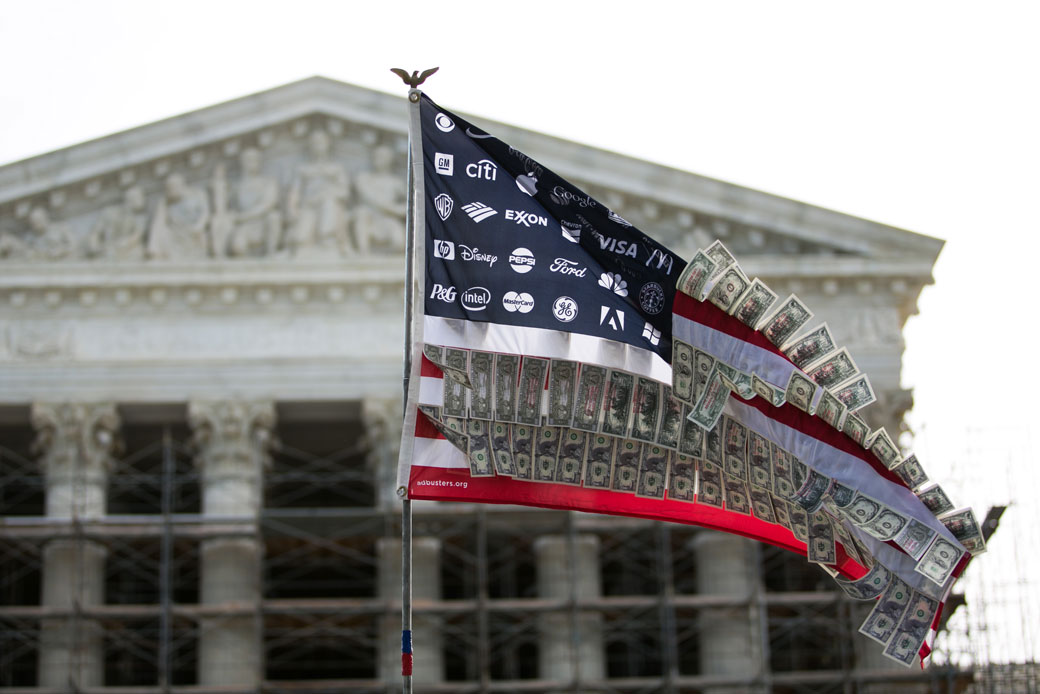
x,y
527,183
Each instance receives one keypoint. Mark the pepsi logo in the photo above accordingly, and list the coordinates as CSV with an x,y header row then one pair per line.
x,y
521,260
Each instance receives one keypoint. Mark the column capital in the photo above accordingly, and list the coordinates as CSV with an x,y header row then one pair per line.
x,y
229,432
75,437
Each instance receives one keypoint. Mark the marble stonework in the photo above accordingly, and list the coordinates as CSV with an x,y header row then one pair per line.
x,y
257,246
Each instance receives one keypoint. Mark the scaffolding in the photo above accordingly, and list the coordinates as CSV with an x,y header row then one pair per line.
x,y
497,607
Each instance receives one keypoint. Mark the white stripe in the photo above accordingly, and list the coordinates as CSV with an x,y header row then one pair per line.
x,y
539,342
438,453
431,391
737,353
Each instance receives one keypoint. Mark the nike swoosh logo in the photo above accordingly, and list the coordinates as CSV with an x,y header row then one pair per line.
x,y
477,136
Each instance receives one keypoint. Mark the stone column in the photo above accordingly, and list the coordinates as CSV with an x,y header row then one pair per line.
x,y
77,442
381,418
730,638
428,659
232,440
559,561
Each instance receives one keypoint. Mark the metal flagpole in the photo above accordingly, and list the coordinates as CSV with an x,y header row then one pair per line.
x,y
416,201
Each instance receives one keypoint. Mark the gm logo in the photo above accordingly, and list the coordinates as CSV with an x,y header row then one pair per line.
x,y
445,163
476,299
443,249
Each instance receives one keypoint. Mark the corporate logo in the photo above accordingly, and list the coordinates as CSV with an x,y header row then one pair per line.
x,y
565,309
619,246
445,250
527,218
476,299
476,134
567,267
478,211
571,231
651,298
444,205
474,255
527,183
521,302
618,219
444,163
613,282
651,334
484,169
664,260
521,260
444,124
442,293
614,317
564,197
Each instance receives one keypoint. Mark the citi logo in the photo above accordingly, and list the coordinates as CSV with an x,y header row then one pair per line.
x,y
476,299
444,163
527,218
442,293
567,267
521,260
443,249
521,302
478,211
485,169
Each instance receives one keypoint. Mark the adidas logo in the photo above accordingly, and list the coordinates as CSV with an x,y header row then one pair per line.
x,y
478,211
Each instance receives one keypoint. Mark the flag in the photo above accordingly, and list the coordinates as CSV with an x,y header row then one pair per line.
x,y
544,377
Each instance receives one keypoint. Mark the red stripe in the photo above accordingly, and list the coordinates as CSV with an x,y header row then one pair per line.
x,y
429,369
707,313
424,428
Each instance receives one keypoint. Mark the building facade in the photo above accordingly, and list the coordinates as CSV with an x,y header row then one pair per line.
x,y
201,327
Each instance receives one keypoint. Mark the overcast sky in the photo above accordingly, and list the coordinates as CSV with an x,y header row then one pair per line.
x,y
922,115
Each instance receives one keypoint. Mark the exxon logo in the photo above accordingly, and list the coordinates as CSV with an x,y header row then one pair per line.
x,y
476,299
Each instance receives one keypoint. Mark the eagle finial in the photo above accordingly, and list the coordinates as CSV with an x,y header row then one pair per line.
x,y
415,79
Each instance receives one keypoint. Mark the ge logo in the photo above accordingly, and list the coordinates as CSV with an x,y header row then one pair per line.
x,y
565,309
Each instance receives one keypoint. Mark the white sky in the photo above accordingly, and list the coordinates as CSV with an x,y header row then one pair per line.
x,y
923,115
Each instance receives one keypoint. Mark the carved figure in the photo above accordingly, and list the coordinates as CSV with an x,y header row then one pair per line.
x,y
180,226
118,232
49,240
380,216
317,203
256,223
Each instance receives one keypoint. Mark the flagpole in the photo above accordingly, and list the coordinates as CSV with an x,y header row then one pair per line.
x,y
416,206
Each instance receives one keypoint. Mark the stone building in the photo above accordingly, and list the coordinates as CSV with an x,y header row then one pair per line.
x,y
201,326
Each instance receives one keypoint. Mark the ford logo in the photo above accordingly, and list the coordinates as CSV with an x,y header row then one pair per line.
x,y
476,299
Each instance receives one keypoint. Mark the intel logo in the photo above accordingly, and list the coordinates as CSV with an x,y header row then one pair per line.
x,y
476,299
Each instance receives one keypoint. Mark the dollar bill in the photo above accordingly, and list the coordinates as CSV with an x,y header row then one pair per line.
x,y
617,406
785,321
915,538
546,450
903,646
821,548
939,561
653,471
671,419
753,303
811,347
522,437
454,430
713,444
456,365
800,392
481,376
766,391
454,398
435,353
856,393
691,438
682,370
886,525
731,284
761,506
869,586
708,409
722,258
592,382
759,462
831,410
709,484
885,449
695,275
832,369
571,460
737,499
434,413
862,510
780,510
563,379
529,393
842,536
736,380
480,462
626,465
841,495
599,461
703,363
911,472
783,481
646,409
682,479
963,525
502,449
855,428
799,522
507,371
881,623
935,499
810,493
735,462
